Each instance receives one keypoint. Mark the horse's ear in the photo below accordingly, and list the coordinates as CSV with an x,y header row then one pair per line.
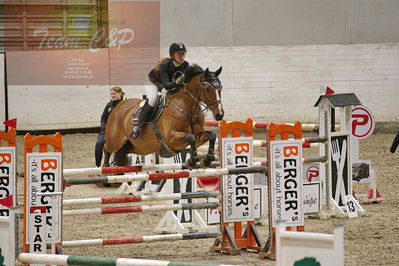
x,y
217,73
206,73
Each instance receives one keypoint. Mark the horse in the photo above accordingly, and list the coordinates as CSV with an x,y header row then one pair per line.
x,y
181,123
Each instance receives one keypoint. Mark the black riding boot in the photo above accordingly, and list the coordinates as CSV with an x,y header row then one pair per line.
x,y
144,114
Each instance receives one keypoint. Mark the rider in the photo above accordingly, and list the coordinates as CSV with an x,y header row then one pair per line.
x,y
165,75
117,95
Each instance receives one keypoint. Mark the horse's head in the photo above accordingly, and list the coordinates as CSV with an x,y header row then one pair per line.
x,y
211,92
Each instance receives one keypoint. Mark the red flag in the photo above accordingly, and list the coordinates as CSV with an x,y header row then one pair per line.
x,y
11,123
7,201
329,91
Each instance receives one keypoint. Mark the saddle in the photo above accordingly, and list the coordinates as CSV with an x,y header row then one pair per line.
x,y
165,151
156,113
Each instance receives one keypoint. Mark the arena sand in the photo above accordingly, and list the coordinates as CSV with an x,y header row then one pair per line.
x,y
372,239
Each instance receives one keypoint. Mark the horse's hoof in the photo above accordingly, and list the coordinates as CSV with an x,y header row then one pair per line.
x,y
189,163
205,162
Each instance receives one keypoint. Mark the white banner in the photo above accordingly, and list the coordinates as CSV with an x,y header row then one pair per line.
x,y
311,197
8,177
238,189
44,176
37,236
286,174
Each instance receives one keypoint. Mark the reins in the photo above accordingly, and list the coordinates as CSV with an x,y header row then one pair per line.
x,y
199,101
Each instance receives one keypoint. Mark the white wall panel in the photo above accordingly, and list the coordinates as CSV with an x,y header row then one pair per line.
x,y
60,107
281,83
266,83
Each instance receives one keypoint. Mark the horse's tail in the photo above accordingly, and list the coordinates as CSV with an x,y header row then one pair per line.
x,y
395,143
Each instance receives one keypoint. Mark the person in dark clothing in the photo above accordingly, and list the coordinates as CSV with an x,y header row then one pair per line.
x,y
117,95
164,77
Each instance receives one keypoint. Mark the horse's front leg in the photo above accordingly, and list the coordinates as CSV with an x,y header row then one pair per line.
x,y
178,140
209,157
192,161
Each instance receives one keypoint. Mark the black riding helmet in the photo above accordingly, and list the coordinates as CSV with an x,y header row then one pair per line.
x,y
176,47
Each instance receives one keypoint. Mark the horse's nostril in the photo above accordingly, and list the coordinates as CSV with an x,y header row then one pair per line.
x,y
219,116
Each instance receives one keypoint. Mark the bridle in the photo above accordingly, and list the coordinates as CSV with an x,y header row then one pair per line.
x,y
214,83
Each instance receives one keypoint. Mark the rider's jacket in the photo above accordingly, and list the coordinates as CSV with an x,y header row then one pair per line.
x,y
164,76
107,110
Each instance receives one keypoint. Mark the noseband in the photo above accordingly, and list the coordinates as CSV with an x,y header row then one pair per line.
x,y
215,84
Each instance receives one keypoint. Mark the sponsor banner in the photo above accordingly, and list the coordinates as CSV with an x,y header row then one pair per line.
x,y
311,197
363,122
238,189
311,172
37,236
97,43
44,172
213,215
8,177
286,188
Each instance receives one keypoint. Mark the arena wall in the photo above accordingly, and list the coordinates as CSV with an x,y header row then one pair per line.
x,y
266,83
275,56
269,22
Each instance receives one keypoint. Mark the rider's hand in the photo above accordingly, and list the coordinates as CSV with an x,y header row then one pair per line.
x,y
180,80
164,92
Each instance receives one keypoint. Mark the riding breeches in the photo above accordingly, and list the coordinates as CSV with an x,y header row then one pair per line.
x,y
151,90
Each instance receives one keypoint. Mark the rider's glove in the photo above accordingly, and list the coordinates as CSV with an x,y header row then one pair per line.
x,y
180,80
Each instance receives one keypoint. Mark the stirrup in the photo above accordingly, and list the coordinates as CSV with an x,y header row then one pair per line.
x,y
135,133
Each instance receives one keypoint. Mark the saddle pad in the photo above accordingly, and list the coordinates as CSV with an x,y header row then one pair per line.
x,y
156,113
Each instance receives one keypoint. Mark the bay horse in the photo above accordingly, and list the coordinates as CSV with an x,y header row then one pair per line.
x,y
180,125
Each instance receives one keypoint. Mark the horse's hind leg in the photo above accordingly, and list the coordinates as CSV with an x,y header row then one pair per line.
x,y
191,162
107,155
211,137
121,155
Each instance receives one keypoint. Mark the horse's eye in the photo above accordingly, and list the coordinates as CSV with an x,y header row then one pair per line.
x,y
216,84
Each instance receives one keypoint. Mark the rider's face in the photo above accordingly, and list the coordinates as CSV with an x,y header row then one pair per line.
x,y
179,57
115,95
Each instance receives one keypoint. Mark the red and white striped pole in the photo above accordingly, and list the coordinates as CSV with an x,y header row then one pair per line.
x,y
144,208
141,198
128,169
137,239
305,127
160,176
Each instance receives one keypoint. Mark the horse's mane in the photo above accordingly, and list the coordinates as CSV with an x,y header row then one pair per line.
x,y
191,71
